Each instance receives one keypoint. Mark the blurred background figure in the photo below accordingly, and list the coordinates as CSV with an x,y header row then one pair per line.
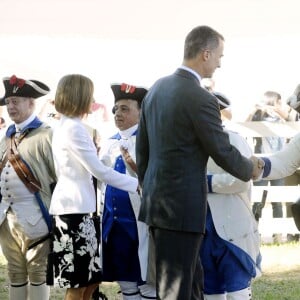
x,y
2,123
100,119
293,103
2,127
270,109
48,113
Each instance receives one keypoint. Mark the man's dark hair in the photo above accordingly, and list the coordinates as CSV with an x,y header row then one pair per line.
x,y
272,94
200,39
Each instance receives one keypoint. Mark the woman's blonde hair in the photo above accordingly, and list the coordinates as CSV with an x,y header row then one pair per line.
x,y
74,95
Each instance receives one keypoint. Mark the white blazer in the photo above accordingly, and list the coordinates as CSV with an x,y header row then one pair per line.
x,y
75,160
285,162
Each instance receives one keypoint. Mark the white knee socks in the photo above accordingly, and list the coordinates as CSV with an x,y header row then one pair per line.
x,y
215,297
244,294
129,290
18,291
39,292
147,291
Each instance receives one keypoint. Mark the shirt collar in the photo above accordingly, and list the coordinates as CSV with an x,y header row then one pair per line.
x,y
191,71
22,125
125,134
31,123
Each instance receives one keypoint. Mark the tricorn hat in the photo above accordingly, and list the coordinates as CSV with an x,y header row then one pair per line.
x,y
127,91
223,101
18,87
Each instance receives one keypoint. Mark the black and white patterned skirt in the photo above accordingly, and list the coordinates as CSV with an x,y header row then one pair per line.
x,y
75,257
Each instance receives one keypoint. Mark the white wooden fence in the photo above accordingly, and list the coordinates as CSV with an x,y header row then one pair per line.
x,y
267,224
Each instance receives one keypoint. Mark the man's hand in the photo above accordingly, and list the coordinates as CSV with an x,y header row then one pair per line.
x,y
258,166
128,159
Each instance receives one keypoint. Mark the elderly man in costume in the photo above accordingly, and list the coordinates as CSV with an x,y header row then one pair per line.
x,y
230,251
125,239
27,175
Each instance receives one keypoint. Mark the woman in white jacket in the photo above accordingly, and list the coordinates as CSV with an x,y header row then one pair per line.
x,y
230,251
76,257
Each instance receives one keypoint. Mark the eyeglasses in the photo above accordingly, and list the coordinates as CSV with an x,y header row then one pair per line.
x,y
14,100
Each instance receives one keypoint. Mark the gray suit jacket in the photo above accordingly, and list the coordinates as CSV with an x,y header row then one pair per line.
x,y
180,127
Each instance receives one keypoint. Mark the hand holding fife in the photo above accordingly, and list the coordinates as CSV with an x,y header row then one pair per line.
x,y
258,166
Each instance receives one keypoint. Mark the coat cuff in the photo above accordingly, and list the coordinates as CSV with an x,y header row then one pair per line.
x,y
209,183
267,167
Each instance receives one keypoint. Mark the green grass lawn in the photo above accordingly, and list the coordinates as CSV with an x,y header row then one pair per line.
x,y
278,286
281,273
280,279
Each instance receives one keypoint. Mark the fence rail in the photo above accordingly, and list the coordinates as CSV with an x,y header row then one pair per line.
x,y
283,194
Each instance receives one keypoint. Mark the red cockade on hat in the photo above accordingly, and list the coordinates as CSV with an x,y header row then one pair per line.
x,y
17,82
129,89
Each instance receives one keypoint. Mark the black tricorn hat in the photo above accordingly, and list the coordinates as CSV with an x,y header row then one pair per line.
x,y
18,87
223,101
127,91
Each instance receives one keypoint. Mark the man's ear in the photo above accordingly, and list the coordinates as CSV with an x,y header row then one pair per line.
x,y
205,54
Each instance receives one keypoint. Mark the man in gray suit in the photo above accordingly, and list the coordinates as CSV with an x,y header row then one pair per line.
x,y
180,127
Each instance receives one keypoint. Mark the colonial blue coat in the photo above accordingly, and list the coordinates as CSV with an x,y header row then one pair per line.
x,y
120,212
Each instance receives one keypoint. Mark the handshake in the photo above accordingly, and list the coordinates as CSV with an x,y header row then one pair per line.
x,y
258,167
